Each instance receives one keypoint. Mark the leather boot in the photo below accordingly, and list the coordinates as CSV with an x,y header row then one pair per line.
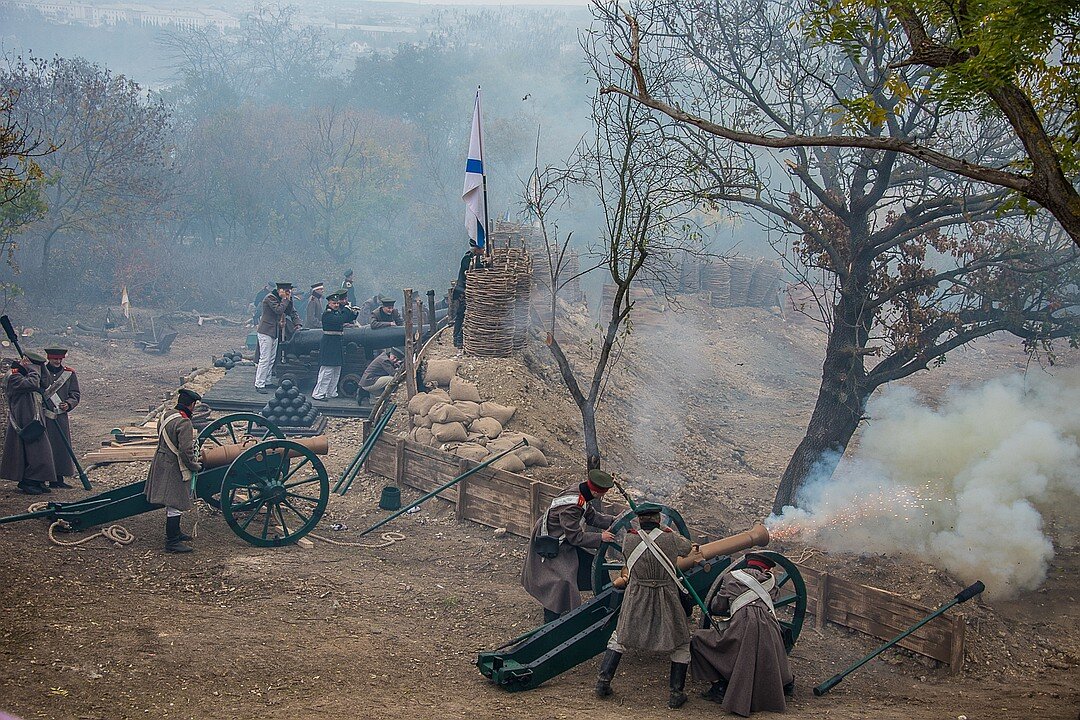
x,y
677,683
789,689
172,536
608,666
550,616
716,692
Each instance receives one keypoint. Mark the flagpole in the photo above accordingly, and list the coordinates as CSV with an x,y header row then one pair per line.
x,y
483,158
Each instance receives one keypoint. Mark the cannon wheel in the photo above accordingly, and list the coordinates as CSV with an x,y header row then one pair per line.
x,y
236,429
790,606
609,560
269,498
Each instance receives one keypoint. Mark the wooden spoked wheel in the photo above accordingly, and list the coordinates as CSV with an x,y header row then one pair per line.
x,y
274,493
236,429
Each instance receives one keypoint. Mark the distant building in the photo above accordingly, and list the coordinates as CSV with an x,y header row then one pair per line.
x,y
74,13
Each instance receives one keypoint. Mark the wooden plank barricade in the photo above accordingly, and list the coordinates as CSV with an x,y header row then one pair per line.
x,y
500,499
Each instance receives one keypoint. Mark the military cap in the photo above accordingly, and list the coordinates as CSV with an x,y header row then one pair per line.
x,y
35,357
759,558
386,300
601,479
337,295
284,285
56,352
348,273
399,352
186,396
647,508
317,286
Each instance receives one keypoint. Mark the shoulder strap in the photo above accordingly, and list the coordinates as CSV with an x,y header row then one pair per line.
x,y
640,550
757,591
649,540
165,436
561,501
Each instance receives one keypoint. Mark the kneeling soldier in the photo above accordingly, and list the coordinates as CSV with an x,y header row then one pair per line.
x,y
171,471
652,616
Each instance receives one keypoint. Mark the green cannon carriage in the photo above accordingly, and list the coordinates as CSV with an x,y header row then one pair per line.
x,y
271,490
551,649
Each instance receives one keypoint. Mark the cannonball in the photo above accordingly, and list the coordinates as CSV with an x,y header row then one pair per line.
x,y
294,392
287,383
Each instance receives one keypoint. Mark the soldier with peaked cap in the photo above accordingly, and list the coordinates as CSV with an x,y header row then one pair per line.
x,y
61,396
313,316
381,371
347,286
171,471
472,260
386,315
277,312
331,357
559,562
743,654
651,616
28,456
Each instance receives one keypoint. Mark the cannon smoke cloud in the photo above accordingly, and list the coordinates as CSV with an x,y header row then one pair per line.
x,y
968,486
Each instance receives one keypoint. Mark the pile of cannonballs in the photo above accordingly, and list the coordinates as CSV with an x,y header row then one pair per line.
x,y
288,407
229,360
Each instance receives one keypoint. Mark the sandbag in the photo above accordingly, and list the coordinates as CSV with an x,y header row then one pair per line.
x,y
421,435
449,432
447,413
479,438
441,372
471,451
486,425
421,421
510,463
532,457
504,443
440,394
464,390
514,436
469,408
502,413
422,403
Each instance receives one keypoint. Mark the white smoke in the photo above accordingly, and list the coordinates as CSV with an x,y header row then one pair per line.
x,y
965,486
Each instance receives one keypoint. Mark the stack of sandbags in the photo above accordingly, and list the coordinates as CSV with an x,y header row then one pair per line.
x,y
459,421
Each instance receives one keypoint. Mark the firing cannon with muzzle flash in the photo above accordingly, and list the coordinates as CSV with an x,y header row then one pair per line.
x,y
581,634
271,490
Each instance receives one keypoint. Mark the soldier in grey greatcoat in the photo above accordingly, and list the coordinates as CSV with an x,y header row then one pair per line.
x,y
744,656
28,456
556,578
278,315
651,617
169,482
62,395
314,311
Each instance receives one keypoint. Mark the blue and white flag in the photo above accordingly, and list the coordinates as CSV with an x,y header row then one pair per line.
x,y
473,194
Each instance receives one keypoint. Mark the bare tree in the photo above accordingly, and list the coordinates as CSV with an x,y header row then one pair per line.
x,y
645,201
1042,127
907,263
112,165
21,176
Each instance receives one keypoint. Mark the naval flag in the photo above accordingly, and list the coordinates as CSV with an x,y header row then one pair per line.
x,y
473,194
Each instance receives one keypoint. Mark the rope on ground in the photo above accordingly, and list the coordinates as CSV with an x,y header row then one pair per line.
x,y
389,538
115,533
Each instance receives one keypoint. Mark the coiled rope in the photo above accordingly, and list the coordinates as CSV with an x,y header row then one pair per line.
x,y
114,533
388,539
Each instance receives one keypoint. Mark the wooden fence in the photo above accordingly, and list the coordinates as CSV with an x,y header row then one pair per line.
x,y
501,499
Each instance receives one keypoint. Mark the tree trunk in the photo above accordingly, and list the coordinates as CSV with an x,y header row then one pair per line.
x,y
592,448
840,402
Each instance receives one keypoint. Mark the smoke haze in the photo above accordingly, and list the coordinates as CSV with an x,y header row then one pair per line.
x,y
967,487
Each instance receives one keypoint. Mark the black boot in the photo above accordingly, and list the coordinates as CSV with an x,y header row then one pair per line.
x,y
59,483
184,537
716,692
29,489
677,683
550,616
789,689
608,666
172,536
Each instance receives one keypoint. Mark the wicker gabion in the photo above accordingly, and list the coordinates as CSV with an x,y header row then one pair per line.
x,y
716,280
490,296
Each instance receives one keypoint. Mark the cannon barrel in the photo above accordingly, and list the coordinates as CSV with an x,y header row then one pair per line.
x,y
222,455
757,536
307,341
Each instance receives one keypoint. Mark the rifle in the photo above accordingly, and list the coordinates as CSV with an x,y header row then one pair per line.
x,y
10,332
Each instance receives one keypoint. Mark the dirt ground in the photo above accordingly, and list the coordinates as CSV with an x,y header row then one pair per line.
x,y
233,631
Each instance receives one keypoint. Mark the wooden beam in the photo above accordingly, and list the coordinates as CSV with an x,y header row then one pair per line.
x,y
410,366
431,310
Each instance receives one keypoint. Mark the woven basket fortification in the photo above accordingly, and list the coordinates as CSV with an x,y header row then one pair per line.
x,y
742,269
716,280
488,329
